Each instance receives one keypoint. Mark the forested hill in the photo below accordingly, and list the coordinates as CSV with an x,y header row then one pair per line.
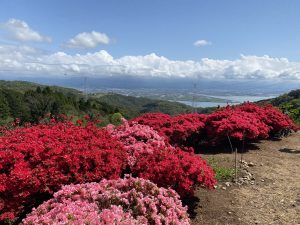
x,y
289,103
23,86
29,101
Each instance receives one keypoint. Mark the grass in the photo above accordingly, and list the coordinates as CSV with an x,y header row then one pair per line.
x,y
222,173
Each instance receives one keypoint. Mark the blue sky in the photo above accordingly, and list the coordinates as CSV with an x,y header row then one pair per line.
x,y
231,35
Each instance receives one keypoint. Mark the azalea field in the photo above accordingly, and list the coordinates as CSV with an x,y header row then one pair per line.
x,y
63,172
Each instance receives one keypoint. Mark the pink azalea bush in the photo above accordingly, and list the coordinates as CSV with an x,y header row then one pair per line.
x,y
150,157
137,139
129,201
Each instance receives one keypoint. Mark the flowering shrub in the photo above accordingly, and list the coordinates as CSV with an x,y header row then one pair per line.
x,y
36,161
271,116
151,158
130,201
248,121
137,139
180,130
172,167
234,123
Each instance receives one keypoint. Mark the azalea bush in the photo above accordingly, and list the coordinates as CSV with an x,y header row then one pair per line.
x,y
271,116
247,121
234,124
180,130
129,201
171,167
137,139
150,157
36,161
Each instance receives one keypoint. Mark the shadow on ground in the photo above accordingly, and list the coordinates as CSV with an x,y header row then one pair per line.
x,y
192,203
288,150
225,148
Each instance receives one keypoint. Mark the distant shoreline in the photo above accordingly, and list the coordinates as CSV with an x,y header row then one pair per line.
x,y
234,100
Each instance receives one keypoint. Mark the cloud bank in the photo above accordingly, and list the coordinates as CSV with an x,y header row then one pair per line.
x,y
20,31
88,40
25,60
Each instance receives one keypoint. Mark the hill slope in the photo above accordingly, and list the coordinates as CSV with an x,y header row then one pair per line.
x,y
289,103
29,101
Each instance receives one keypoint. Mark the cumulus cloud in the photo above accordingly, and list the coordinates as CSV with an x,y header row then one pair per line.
x,y
88,40
20,30
201,43
27,60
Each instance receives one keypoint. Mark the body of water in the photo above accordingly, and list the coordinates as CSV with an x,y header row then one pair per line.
x,y
234,100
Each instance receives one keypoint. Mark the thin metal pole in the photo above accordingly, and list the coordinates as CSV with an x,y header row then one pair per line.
x,y
243,147
230,143
235,159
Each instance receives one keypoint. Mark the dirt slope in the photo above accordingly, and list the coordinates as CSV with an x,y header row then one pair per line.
x,y
272,198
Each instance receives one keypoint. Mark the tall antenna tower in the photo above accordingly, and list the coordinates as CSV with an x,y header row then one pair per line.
x,y
85,88
194,97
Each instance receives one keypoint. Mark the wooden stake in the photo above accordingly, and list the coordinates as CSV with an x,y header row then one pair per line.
x,y
235,159
230,143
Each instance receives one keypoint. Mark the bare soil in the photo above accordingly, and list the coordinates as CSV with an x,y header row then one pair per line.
x,y
272,198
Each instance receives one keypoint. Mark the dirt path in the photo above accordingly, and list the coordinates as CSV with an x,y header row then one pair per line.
x,y
272,198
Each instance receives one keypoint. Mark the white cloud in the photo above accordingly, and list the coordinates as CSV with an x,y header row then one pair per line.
x,y
201,43
24,60
88,40
20,30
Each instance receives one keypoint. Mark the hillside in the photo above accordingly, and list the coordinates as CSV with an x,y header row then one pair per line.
x,y
289,103
134,106
30,101
23,86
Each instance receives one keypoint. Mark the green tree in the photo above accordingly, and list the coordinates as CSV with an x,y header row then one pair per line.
x,y
4,107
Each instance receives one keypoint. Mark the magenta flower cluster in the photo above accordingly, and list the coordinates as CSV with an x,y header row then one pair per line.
x,y
129,201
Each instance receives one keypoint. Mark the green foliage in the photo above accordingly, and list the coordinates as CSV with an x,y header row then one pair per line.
x,y
131,107
4,107
290,104
30,101
222,173
115,118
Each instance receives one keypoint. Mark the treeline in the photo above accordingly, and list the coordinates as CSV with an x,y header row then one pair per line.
x,y
30,102
32,105
290,104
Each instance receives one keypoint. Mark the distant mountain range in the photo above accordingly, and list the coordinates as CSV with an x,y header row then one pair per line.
x,y
206,87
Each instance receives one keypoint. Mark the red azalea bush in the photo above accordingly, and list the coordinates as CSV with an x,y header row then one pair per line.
x,y
174,168
180,130
151,158
247,121
271,116
235,124
130,201
160,122
36,161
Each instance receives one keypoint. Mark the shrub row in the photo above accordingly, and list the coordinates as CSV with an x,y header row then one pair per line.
x,y
37,161
247,121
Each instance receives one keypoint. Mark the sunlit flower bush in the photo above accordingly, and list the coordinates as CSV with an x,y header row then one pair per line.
x,y
150,157
247,121
137,139
271,116
178,130
130,201
36,161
